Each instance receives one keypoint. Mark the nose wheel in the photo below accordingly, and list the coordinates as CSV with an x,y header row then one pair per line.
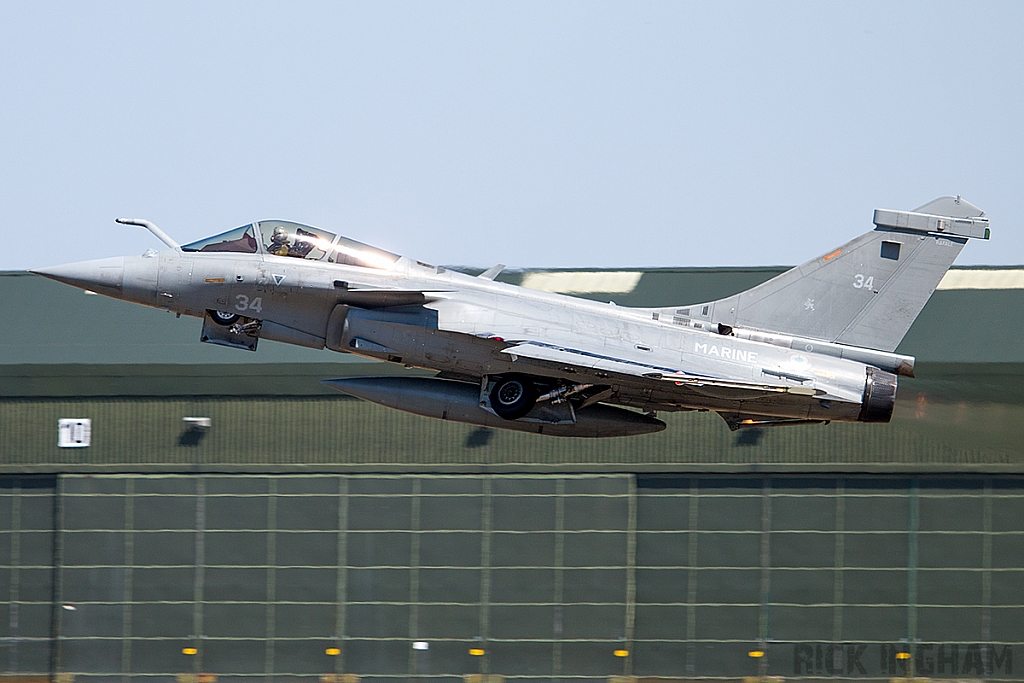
x,y
513,396
225,319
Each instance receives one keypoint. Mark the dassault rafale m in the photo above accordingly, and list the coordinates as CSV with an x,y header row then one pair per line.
x,y
812,345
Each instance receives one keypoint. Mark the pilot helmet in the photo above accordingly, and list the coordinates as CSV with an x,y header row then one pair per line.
x,y
280,235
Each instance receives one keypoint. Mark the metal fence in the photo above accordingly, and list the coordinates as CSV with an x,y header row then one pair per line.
x,y
526,576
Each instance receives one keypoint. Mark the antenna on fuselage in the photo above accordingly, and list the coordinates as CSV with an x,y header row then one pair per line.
x,y
160,234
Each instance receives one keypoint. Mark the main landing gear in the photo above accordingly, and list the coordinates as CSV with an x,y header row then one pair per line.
x,y
513,396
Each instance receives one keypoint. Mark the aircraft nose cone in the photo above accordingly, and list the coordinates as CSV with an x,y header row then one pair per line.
x,y
105,276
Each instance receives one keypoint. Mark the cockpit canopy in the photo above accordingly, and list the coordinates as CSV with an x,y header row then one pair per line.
x,y
240,241
284,238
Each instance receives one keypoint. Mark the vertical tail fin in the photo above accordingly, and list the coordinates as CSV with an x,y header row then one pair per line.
x,y
868,291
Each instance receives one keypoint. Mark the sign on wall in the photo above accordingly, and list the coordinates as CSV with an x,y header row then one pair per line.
x,y
74,432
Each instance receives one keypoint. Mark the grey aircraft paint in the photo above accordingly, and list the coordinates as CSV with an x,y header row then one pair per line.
x,y
814,344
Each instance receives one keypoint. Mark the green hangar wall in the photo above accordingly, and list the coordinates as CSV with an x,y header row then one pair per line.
x,y
527,576
305,534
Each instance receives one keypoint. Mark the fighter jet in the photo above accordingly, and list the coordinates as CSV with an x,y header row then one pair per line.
x,y
814,345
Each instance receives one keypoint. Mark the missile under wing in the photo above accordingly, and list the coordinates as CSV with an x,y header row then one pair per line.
x,y
815,344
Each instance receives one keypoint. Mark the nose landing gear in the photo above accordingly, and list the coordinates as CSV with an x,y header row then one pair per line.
x,y
222,318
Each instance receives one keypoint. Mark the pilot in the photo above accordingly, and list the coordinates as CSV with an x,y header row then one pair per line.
x,y
278,242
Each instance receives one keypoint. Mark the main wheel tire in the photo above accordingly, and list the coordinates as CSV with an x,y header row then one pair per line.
x,y
513,396
222,318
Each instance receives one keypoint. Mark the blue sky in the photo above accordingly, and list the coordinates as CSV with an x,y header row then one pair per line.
x,y
529,133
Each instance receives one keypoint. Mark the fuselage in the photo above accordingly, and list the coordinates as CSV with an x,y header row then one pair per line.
x,y
464,323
